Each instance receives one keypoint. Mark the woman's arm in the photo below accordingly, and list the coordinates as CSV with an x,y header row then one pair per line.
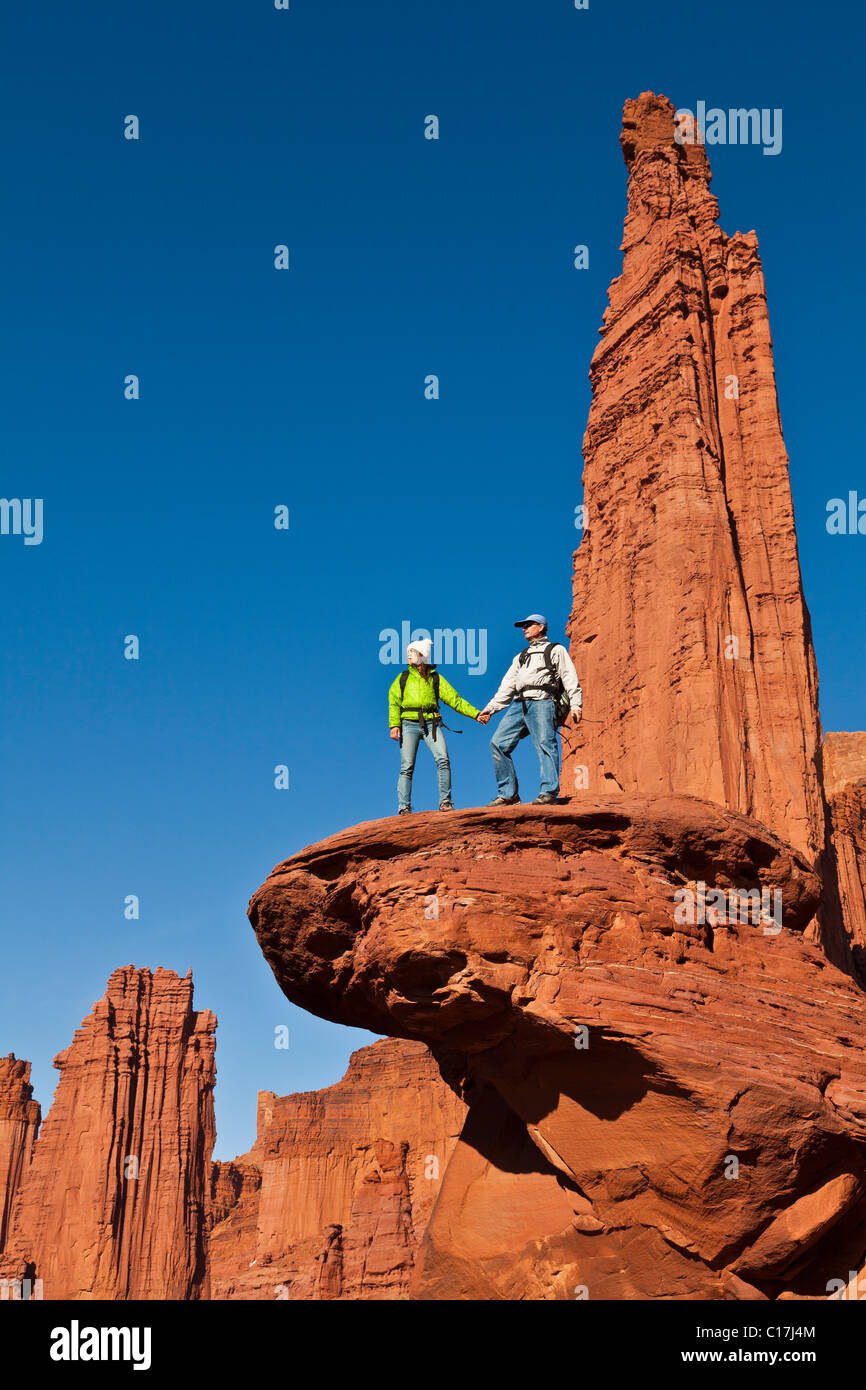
x,y
448,695
395,705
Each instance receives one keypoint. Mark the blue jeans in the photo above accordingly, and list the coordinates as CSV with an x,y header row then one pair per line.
x,y
408,752
540,722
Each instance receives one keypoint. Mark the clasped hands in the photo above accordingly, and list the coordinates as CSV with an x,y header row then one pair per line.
x,y
483,718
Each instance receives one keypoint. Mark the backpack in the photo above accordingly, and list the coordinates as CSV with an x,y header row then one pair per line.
x,y
421,711
553,687
434,676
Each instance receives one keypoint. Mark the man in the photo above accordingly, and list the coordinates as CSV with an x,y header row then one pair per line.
x,y
536,680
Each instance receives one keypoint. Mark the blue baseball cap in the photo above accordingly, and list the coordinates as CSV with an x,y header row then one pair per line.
x,y
533,618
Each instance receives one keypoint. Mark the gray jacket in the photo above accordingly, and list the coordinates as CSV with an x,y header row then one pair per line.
x,y
535,672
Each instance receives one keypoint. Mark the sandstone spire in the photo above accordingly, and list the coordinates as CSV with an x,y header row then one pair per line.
x,y
19,1125
689,627
113,1204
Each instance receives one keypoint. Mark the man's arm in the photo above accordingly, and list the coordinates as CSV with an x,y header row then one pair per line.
x,y
568,676
506,692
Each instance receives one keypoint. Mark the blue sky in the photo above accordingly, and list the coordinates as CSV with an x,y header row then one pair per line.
x,y
306,388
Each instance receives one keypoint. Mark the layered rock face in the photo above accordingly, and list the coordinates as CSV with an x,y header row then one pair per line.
x,y
19,1125
230,1183
845,782
667,1083
338,1188
114,1202
373,1258
379,1252
689,627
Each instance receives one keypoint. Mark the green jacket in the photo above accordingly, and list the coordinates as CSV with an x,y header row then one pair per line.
x,y
420,692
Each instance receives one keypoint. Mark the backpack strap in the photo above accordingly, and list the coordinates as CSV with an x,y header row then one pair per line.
x,y
552,688
548,659
426,711
421,709
553,685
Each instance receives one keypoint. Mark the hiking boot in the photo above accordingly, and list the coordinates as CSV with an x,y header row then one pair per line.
x,y
446,806
546,799
504,800
405,811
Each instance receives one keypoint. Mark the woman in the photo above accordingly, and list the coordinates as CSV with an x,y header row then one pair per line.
x,y
413,714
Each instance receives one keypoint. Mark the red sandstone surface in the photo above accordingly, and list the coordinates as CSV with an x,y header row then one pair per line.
x,y
113,1203
340,1183
230,1183
659,1108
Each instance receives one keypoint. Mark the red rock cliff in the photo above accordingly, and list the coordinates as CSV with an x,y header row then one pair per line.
x,y
341,1182
113,1205
689,627
19,1126
666,1081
